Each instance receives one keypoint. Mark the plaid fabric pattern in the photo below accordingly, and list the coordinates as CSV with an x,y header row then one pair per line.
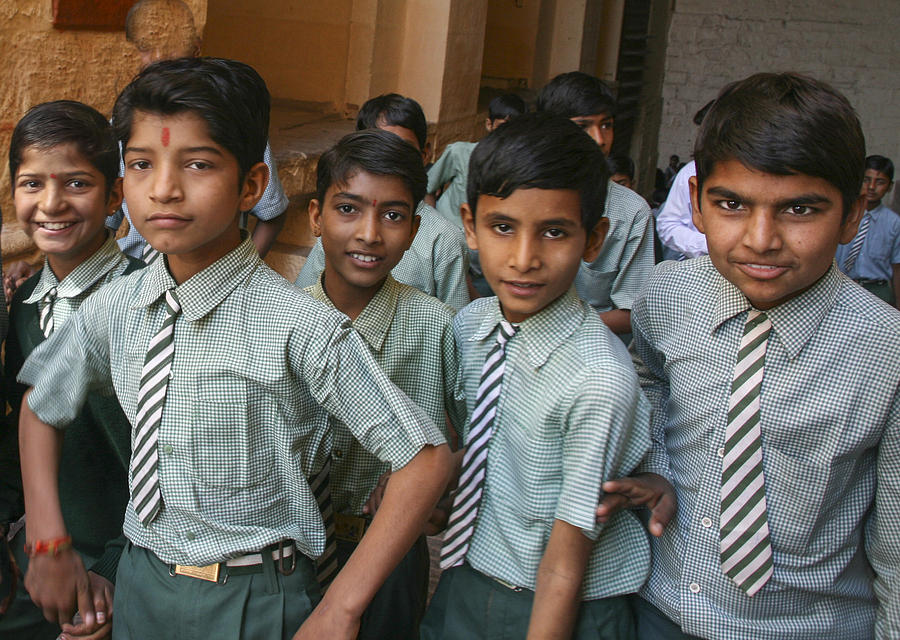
x,y
271,205
106,264
411,337
570,416
436,263
453,168
258,369
830,422
613,279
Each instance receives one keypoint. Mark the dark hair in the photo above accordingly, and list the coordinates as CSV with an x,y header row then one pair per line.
x,y
576,94
229,96
507,105
394,110
882,165
702,111
621,164
52,124
785,124
540,151
374,151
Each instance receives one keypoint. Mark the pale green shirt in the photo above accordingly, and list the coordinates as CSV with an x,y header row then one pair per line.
x,y
451,169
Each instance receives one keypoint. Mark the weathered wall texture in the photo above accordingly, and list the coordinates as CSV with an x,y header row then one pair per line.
x,y
852,45
39,63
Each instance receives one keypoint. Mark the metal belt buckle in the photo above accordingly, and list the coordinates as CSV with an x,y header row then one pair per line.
x,y
210,572
349,528
506,584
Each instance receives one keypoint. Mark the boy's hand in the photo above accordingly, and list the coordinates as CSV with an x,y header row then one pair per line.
x,y
104,591
643,490
326,621
18,272
377,495
437,521
60,586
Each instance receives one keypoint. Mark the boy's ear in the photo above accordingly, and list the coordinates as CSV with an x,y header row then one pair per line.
x,y
315,217
416,219
595,240
468,219
115,197
696,215
254,185
488,124
850,224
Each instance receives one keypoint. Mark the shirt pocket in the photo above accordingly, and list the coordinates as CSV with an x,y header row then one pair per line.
x,y
794,494
594,287
230,450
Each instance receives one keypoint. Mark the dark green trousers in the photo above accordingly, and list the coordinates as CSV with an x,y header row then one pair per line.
x,y
883,290
150,603
469,605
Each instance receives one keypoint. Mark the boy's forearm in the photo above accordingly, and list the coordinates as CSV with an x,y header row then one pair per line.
x,y
559,578
39,450
618,320
408,501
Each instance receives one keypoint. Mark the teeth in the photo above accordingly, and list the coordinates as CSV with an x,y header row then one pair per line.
x,y
363,257
763,266
55,226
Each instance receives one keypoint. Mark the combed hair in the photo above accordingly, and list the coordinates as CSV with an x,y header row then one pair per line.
x,y
881,164
508,105
60,122
785,124
540,151
374,151
229,96
394,110
621,164
576,94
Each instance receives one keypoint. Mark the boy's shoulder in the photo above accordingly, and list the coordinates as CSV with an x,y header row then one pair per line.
x,y
858,311
416,305
623,204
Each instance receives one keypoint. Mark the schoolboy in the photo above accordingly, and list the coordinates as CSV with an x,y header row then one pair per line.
x,y
610,282
226,373
554,406
776,420
449,174
64,162
438,261
165,30
367,189
872,258
621,171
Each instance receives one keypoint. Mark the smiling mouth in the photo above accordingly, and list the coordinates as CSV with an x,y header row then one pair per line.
x,y
364,257
54,226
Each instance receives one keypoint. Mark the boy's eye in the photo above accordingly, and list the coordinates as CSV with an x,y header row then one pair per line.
x,y
346,209
199,165
729,205
139,165
393,216
78,184
502,227
801,210
554,233
29,184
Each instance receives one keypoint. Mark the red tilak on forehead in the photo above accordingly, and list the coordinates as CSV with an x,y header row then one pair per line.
x,y
53,175
164,137
374,203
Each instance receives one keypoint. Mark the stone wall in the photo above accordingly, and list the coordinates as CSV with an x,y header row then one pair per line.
x,y
852,45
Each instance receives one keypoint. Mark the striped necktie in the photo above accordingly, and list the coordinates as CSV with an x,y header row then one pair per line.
x,y
857,244
474,465
149,254
326,564
45,321
745,548
145,494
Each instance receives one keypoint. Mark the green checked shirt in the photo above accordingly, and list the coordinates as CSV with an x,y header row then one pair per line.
x,y
258,367
830,420
452,169
411,337
103,266
436,263
570,416
613,279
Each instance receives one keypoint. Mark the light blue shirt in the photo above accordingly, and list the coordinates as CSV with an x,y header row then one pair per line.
x,y
880,249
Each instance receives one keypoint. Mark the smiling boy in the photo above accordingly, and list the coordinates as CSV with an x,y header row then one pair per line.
x,y
776,421
228,375
554,407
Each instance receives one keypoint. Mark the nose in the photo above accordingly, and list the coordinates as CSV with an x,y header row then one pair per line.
x,y
762,233
368,230
525,254
601,136
52,200
166,184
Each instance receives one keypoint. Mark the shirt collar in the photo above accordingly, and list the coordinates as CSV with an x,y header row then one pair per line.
x,y
375,319
793,322
82,277
543,332
202,292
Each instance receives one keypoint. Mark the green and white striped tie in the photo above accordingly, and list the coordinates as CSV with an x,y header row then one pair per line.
x,y
149,254
45,320
745,548
145,493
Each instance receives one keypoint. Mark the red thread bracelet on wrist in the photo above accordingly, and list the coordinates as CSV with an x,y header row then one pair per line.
x,y
48,547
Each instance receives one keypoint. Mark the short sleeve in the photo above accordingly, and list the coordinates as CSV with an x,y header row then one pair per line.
x,y
313,267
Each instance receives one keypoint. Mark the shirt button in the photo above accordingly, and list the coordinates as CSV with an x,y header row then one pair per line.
x,y
338,454
706,522
721,452
694,587
190,536
167,448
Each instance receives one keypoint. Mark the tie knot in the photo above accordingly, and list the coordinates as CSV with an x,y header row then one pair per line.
x,y
507,331
172,302
50,296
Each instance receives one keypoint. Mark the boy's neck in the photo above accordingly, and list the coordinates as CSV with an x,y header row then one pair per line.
x,y
348,300
872,205
62,265
185,266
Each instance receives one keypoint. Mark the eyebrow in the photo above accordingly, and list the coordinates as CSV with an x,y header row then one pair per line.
x,y
201,149
357,198
800,198
499,216
65,174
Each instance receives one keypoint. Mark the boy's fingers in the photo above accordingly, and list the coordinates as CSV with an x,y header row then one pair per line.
x,y
661,515
86,603
611,504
